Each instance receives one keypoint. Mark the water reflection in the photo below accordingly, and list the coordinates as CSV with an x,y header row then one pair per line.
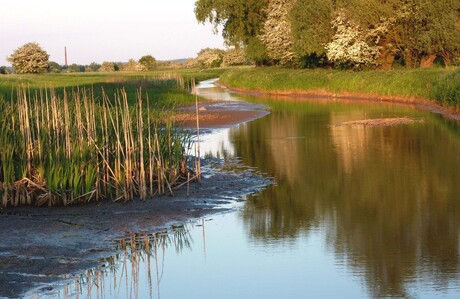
x,y
135,271
356,212
386,197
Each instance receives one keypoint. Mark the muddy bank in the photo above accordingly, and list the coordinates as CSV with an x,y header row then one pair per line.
x,y
40,245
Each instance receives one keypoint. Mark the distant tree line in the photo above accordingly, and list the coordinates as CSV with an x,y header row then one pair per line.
x,y
340,33
32,59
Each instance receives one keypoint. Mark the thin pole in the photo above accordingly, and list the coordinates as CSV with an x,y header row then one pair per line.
x,y
65,55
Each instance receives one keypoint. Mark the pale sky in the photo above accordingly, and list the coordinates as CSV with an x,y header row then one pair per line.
x,y
100,30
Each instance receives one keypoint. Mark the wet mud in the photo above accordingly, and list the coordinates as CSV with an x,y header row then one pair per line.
x,y
41,246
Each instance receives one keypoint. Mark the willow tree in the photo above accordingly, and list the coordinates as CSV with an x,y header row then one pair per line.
x,y
241,21
311,30
436,29
29,58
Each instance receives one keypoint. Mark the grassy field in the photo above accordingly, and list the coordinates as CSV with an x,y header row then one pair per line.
x,y
164,88
442,85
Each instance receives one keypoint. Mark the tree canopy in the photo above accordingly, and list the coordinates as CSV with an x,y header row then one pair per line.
x,y
29,58
148,62
241,19
350,33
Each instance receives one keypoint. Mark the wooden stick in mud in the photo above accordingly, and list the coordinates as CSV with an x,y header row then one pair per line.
x,y
198,163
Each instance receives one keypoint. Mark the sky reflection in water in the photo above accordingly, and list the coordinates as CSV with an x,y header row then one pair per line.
x,y
356,212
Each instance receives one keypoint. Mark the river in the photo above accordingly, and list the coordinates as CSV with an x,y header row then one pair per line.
x,y
354,212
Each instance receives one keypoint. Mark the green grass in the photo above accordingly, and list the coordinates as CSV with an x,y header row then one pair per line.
x,y
74,138
75,149
161,93
438,84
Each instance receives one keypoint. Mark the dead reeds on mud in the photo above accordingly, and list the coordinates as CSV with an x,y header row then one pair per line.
x,y
76,148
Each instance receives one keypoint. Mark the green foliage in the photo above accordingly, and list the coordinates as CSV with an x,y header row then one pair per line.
x,y
133,66
29,59
311,26
92,67
107,67
435,28
75,68
208,58
241,19
4,70
148,62
54,67
257,52
354,33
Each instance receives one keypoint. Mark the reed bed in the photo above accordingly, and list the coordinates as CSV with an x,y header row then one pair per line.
x,y
76,147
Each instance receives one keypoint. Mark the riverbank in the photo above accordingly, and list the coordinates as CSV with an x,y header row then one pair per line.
x,y
437,90
42,247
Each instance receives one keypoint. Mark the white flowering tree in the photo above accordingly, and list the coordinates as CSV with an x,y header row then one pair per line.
x,y
235,56
30,58
208,58
107,67
133,66
352,45
277,34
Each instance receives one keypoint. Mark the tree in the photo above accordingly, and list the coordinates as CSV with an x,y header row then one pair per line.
x,y
29,58
436,30
4,70
149,62
54,67
107,67
234,57
277,35
311,30
133,66
76,68
210,58
93,67
257,51
241,19
351,45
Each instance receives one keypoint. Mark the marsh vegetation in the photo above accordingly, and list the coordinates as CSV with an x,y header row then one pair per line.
x,y
64,146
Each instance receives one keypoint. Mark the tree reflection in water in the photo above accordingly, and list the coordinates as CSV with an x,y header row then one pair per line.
x,y
386,197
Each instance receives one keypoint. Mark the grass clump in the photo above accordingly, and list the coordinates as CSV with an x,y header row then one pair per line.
x,y
446,89
76,148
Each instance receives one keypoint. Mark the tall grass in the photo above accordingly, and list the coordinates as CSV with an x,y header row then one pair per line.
x,y
74,147
446,89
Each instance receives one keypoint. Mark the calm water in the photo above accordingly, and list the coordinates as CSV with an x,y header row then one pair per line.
x,y
356,212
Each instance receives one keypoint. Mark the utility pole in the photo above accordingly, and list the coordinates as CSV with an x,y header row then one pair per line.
x,y
65,55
